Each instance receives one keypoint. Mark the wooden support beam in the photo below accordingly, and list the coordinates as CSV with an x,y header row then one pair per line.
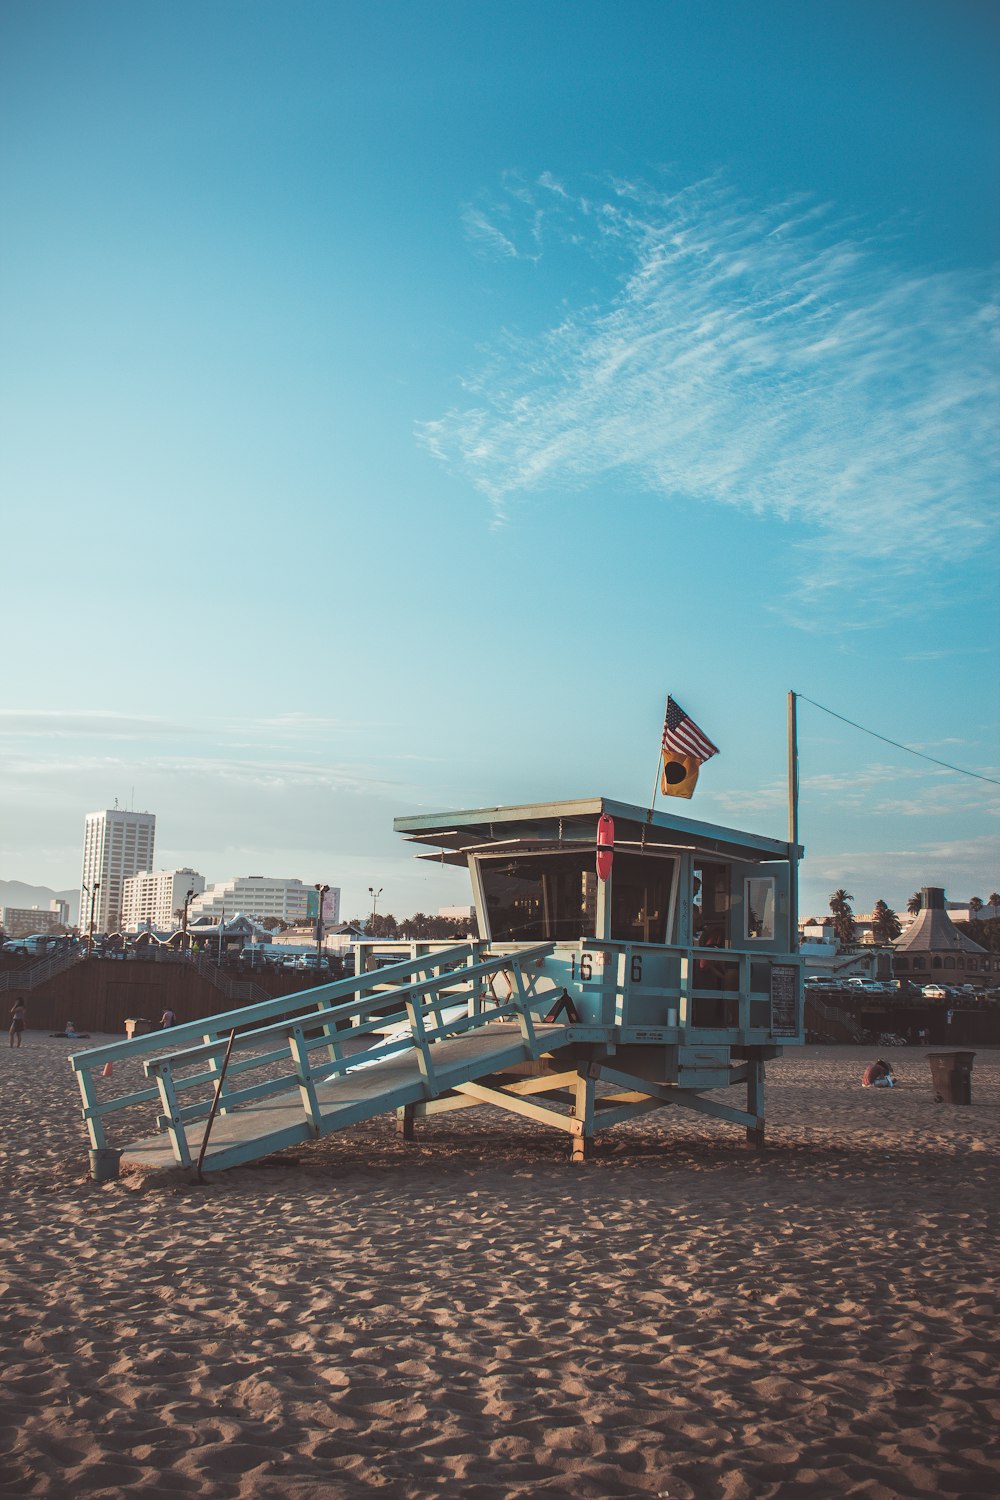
x,y
606,1118
703,1106
583,1112
755,1104
404,1122
540,1083
517,1106
307,1087
172,1116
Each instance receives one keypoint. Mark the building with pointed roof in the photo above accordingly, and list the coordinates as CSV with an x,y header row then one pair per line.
x,y
932,948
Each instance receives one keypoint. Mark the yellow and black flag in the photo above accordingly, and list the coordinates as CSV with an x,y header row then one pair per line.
x,y
685,748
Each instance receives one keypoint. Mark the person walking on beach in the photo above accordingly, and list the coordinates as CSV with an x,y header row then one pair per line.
x,y
17,1015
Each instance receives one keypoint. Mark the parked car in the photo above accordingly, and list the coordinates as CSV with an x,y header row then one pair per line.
x,y
934,992
319,964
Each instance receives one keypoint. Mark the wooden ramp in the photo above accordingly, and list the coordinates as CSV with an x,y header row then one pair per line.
x,y
246,1083
369,1089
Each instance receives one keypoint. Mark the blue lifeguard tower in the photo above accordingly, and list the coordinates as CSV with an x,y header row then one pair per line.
x,y
581,1003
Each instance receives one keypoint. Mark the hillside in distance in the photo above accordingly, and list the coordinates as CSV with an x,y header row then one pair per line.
x,y
16,893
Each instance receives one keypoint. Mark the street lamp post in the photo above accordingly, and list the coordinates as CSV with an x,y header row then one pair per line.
x,y
92,893
322,889
184,922
374,894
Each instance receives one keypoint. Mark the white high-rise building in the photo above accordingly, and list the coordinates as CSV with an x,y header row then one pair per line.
x,y
157,896
264,896
116,844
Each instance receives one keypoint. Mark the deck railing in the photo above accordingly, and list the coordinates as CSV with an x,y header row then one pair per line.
x,y
351,1022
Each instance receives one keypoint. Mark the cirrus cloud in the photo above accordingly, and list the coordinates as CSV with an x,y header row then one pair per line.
x,y
762,356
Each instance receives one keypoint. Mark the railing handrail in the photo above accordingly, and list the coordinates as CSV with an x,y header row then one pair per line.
x,y
42,969
328,1016
96,1057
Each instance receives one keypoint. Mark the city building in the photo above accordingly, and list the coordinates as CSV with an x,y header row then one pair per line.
x,y
117,844
26,921
263,896
155,898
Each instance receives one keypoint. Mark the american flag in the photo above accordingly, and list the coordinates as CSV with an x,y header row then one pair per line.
x,y
682,735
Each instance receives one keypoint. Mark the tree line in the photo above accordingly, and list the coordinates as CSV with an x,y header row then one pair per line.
x,y
418,928
886,926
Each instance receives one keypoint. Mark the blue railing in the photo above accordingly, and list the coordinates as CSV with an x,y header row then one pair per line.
x,y
408,1005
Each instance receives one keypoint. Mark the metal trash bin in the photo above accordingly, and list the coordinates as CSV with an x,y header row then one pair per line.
x,y
951,1076
104,1164
137,1026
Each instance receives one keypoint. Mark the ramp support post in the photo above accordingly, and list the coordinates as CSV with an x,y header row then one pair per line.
x,y
405,1116
307,1088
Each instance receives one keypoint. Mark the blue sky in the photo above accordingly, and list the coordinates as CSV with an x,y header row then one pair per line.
x,y
398,401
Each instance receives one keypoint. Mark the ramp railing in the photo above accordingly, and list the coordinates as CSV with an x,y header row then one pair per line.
x,y
350,1023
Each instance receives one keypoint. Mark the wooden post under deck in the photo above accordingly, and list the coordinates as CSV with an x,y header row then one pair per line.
x,y
755,1103
404,1122
583,1116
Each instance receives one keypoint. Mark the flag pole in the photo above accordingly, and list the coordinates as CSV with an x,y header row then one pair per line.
x,y
656,778
793,824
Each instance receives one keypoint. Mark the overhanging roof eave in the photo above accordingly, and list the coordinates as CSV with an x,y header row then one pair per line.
x,y
454,828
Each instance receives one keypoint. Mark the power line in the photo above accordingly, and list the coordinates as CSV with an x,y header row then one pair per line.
x,y
887,741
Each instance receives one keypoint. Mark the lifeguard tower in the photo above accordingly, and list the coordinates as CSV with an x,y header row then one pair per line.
x,y
585,1000
677,973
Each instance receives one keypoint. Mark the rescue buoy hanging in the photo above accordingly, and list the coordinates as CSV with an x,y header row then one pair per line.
x,y
605,846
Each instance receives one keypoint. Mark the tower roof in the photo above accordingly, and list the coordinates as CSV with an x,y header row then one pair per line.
x,y
932,930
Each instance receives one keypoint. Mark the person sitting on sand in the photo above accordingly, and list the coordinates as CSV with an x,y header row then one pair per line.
x,y
17,1014
878,1075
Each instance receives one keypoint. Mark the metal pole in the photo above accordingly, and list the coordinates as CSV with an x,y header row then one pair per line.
x,y
215,1103
793,825
90,926
322,889
659,758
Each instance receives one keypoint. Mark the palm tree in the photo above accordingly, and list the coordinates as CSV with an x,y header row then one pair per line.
x,y
886,926
843,916
995,900
913,905
975,907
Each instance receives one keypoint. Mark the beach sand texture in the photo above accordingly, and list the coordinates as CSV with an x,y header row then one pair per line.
x,y
470,1315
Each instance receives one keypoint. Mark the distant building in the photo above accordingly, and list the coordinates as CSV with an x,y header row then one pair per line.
x,y
458,913
933,949
61,909
154,897
264,896
25,921
116,845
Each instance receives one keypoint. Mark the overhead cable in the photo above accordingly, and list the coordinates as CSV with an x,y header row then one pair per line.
x,y
960,770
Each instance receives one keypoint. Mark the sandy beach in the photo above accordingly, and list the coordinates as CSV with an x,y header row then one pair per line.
x,y
470,1315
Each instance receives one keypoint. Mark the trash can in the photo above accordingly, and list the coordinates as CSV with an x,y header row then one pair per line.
x,y
137,1026
951,1076
104,1164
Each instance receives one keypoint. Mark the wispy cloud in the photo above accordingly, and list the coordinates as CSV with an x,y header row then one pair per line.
x,y
762,356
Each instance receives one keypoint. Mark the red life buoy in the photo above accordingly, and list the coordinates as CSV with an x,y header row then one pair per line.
x,y
605,846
